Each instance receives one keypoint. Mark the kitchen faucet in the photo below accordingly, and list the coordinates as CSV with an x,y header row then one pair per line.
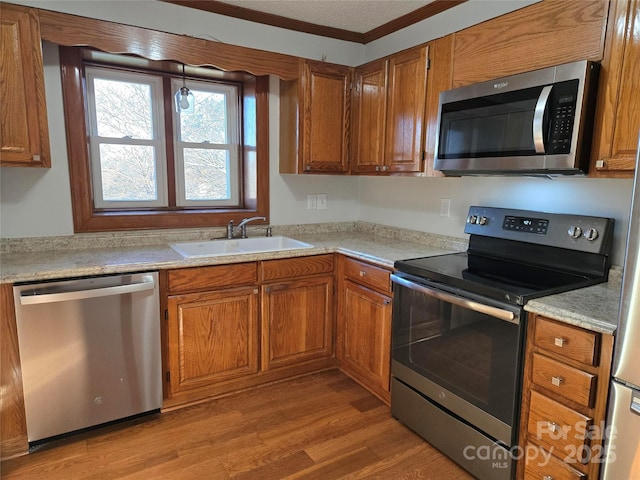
x,y
231,228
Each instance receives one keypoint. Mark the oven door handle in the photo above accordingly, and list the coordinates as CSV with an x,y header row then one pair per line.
x,y
495,312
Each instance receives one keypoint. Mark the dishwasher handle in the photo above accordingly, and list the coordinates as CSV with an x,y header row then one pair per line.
x,y
35,298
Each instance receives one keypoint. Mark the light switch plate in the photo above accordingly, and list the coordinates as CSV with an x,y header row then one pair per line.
x,y
445,207
322,201
312,202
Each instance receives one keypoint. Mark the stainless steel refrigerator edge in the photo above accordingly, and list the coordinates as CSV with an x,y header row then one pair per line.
x,y
623,421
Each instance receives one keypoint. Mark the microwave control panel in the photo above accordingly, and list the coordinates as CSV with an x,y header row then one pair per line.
x,y
562,115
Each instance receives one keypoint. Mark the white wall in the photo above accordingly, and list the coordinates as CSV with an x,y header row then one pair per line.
x,y
35,202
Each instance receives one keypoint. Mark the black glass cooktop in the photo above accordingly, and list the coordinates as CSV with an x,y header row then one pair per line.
x,y
501,279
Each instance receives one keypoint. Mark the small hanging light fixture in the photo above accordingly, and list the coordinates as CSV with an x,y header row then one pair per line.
x,y
185,101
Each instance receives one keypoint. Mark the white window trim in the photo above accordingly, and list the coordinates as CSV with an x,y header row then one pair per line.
x,y
157,141
232,147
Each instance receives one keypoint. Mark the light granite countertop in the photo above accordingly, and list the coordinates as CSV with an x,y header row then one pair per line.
x,y
594,308
370,245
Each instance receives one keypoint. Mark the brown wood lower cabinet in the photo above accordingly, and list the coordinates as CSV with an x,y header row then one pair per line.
x,y
231,327
566,379
213,336
297,321
364,325
13,423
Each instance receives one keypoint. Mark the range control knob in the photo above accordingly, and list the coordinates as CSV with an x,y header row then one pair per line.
x,y
591,234
472,219
574,231
482,221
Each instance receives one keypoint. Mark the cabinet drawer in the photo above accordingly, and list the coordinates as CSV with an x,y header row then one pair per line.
x,y
206,278
296,267
367,274
559,428
571,383
541,465
571,342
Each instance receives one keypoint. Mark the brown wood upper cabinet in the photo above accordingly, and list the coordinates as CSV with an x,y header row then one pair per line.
x,y
618,113
24,132
314,119
547,33
389,112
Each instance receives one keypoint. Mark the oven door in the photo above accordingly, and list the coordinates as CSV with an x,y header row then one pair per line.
x,y
462,353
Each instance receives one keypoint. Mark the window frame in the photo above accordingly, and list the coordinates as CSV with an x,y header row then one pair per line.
x,y
254,159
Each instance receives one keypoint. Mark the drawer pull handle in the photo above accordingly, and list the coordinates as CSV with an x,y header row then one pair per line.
x,y
553,426
547,477
559,342
557,381
362,273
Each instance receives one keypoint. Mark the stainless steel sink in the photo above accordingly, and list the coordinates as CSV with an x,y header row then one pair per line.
x,y
214,248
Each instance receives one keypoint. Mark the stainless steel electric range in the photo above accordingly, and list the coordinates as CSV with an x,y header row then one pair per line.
x,y
458,328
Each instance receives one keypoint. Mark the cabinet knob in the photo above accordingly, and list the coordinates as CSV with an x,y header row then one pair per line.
x,y
363,273
599,163
559,341
553,426
547,477
557,381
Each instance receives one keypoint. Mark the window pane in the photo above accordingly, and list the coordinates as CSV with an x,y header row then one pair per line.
x,y
208,122
128,172
206,174
123,109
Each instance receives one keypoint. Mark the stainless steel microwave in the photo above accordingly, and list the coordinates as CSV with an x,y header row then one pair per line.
x,y
538,122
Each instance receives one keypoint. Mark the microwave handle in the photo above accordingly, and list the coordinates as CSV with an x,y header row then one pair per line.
x,y
538,116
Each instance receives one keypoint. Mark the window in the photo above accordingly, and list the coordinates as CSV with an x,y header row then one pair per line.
x,y
206,147
139,163
126,139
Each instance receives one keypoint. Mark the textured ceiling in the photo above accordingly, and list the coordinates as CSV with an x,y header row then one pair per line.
x,y
354,15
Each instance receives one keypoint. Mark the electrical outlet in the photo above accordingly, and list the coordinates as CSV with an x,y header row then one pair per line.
x,y
312,202
445,207
322,201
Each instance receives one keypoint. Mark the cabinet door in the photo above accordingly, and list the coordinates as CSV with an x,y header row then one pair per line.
x,y
406,110
24,133
369,117
365,336
213,337
297,321
543,34
618,115
325,117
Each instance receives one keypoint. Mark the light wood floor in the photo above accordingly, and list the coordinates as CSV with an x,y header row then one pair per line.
x,y
323,426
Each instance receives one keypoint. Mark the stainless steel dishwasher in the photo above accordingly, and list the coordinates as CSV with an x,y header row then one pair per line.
x,y
89,351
